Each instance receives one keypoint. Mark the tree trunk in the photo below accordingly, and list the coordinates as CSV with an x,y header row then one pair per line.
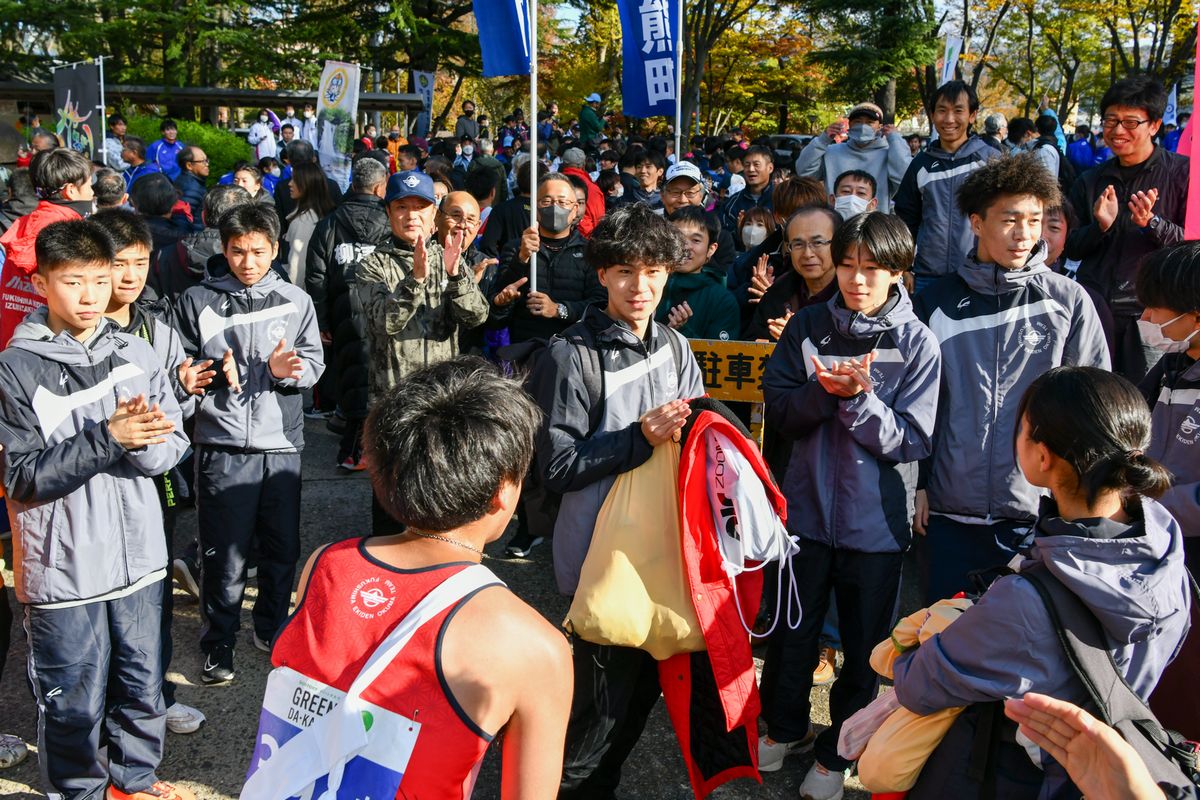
x,y
436,125
885,98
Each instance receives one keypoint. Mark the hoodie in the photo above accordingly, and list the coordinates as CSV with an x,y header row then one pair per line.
x,y
853,466
17,295
1131,577
224,314
999,329
886,158
181,267
1173,389
715,312
927,202
84,510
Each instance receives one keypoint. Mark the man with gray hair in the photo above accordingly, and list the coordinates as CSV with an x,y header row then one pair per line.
x,y
485,158
995,132
339,243
574,162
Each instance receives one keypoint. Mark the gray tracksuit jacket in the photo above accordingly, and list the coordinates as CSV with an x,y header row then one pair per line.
x,y
582,464
1173,389
224,314
853,470
1131,577
84,510
886,158
927,202
998,330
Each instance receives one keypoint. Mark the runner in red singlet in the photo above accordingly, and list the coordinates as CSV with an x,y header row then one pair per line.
x,y
447,450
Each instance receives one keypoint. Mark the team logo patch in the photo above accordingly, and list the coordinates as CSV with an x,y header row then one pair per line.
x,y
1035,337
1188,428
373,597
277,331
411,181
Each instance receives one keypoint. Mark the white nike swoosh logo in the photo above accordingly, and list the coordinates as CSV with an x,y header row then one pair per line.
x,y
53,409
212,323
208,664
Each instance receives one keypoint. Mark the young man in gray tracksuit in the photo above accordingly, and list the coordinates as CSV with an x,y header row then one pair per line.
x,y
1002,320
642,374
853,384
88,419
261,331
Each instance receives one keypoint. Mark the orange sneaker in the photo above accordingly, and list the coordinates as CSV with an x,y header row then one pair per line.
x,y
824,673
159,791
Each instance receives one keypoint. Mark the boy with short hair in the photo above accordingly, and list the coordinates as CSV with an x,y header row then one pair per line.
x,y
695,301
854,192
87,419
853,384
633,250
132,242
262,331
1002,320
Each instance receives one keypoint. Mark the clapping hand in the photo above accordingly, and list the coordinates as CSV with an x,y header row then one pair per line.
x,y
195,375
136,424
1141,207
285,363
230,370
776,326
420,268
761,278
1105,209
678,316
845,378
453,251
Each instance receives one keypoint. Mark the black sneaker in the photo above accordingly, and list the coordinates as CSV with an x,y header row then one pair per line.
x,y
218,665
521,545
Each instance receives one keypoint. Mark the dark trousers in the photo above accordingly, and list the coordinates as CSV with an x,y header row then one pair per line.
x,y
867,588
951,550
242,498
96,672
351,445
6,622
615,691
168,608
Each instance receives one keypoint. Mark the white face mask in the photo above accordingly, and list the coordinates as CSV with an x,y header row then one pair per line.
x,y
468,150
753,236
862,135
308,114
850,205
263,118
1153,336
276,171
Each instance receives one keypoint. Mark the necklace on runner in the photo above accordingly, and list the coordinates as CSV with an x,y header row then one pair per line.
x,y
445,539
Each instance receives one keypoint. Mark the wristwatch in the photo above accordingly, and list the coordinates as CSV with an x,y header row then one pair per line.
x,y
563,312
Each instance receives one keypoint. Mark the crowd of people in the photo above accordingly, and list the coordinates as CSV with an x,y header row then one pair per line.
x,y
988,340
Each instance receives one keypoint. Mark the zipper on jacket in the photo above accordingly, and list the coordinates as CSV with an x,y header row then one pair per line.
x,y
995,404
250,349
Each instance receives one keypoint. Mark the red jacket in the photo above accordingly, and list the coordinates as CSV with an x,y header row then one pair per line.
x,y
595,202
717,684
17,295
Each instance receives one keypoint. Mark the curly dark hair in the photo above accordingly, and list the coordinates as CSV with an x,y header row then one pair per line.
x,y
1016,176
634,235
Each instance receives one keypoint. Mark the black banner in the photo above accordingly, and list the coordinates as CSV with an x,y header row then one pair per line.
x,y
76,109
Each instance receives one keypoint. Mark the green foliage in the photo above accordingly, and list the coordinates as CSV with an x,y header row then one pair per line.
x,y
224,149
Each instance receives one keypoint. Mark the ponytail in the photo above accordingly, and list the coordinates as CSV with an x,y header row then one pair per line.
x,y
1098,423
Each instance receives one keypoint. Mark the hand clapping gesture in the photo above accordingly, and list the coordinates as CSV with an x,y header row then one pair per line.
x,y
285,363
761,278
136,424
846,378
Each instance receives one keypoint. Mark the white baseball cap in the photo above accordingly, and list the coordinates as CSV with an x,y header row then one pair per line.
x,y
684,169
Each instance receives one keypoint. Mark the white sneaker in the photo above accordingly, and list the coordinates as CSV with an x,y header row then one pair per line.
x,y
771,754
184,719
265,646
12,750
822,784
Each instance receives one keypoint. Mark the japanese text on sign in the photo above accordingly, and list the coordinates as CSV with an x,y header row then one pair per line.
x,y
732,370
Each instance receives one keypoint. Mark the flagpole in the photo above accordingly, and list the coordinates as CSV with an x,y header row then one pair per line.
x,y
103,114
680,62
533,133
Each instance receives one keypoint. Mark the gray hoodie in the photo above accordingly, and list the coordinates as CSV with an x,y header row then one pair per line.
x,y
999,330
886,158
853,469
84,510
1131,577
223,313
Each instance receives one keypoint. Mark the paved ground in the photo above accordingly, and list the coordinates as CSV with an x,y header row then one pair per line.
x,y
213,761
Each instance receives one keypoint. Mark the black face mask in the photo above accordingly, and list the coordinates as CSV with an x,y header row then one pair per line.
x,y
469,113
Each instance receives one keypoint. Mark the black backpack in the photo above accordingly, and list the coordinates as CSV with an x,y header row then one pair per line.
x,y
1066,170
1170,759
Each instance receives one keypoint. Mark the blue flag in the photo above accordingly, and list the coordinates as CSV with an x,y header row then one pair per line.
x,y
503,36
648,84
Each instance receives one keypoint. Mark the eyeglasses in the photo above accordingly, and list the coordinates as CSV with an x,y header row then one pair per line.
x,y
694,193
816,245
461,219
198,161
546,202
1128,124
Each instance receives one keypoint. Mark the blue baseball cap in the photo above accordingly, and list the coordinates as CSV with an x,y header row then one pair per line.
x,y
409,184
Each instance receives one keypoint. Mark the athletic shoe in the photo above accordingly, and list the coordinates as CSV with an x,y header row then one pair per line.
x,y
336,423
314,413
184,719
824,674
822,784
771,754
352,464
12,750
262,644
218,666
159,791
522,544
187,575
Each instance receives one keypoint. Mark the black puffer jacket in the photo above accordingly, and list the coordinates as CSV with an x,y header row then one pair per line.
x,y
566,278
338,244
181,265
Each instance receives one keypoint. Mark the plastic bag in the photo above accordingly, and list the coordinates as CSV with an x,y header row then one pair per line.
x,y
857,731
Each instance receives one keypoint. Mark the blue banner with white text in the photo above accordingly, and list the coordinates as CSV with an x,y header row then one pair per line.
x,y
649,82
503,36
